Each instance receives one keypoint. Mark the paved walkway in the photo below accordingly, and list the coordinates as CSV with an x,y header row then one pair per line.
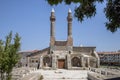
x,y
61,74
32,76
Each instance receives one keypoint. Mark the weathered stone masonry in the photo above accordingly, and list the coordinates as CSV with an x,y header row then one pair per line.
x,y
62,54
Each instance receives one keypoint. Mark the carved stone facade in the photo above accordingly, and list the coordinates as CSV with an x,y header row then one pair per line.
x,y
62,54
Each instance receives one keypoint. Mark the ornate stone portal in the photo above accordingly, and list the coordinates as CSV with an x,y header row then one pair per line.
x,y
62,54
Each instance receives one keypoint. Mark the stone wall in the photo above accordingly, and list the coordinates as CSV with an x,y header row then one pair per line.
x,y
102,74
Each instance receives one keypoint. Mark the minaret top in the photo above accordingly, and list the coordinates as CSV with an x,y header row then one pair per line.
x,y
52,17
69,17
53,10
69,10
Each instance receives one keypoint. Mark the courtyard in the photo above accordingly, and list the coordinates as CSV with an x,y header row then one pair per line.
x,y
59,74
26,73
62,74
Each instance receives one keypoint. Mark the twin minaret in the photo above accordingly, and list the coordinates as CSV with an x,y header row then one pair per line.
x,y
52,19
52,30
69,19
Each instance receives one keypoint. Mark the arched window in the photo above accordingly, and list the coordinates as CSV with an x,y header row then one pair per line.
x,y
36,61
75,62
51,52
69,52
32,61
92,62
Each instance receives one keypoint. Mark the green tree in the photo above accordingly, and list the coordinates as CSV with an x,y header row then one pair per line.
x,y
8,55
87,8
2,60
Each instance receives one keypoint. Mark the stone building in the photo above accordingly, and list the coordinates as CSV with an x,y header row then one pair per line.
x,y
23,57
62,54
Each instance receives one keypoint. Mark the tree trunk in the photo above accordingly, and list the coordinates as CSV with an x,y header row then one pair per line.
x,y
2,75
8,76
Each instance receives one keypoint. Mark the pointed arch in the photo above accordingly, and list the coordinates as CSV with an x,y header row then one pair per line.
x,y
47,61
75,62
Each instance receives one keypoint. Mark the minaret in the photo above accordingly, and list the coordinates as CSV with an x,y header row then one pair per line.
x,y
52,30
69,19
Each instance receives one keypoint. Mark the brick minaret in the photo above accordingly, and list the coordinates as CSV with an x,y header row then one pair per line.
x,y
69,19
52,30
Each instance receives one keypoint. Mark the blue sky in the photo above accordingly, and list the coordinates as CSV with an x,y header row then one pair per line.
x,y
30,18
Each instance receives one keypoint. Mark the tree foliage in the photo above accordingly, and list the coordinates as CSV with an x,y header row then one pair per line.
x,y
8,55
112,12
87,9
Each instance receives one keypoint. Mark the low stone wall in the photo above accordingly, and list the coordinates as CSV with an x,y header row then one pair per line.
x,y
19,73
72,68
79,68
103,71
93,76
101,74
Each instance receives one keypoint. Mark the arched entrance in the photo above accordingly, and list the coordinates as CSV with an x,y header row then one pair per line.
x,y
47,61
75,62
61,63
